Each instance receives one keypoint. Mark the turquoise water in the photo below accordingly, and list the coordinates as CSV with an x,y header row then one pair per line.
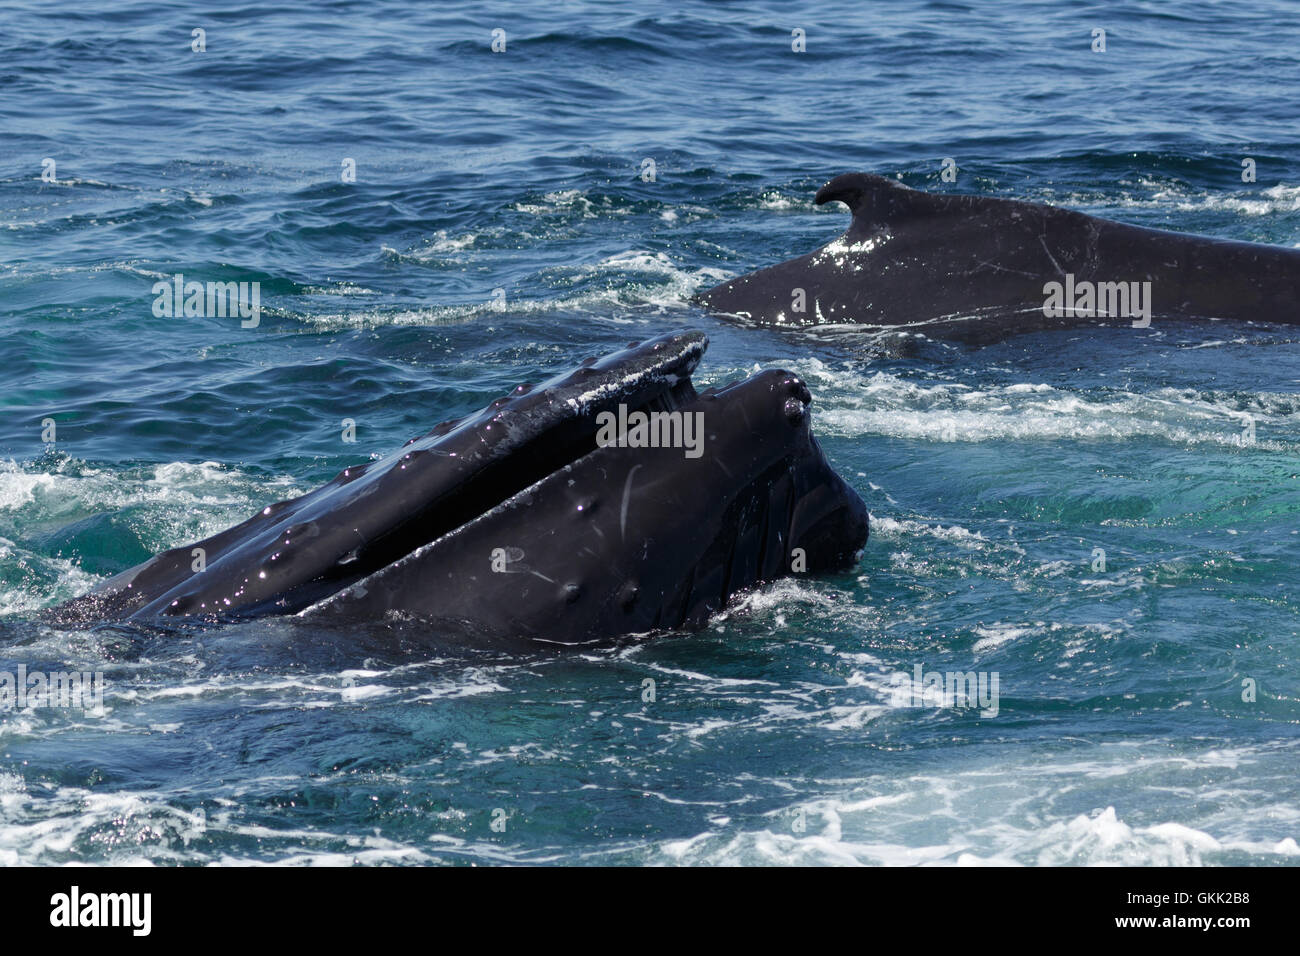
x,y
992,474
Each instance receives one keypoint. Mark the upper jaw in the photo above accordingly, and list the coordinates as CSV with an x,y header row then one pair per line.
x,y
630,539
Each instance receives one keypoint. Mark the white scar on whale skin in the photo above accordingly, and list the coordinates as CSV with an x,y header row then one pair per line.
x,y
627,496
1042,239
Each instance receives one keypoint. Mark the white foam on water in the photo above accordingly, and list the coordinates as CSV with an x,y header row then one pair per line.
x,y
23,598
777,201
325,690
634,279
852,401
1256,200
881,830
1021,813
445,243
995,635
908,529
564,200
1266,202
77,486
779,596
177,502
443,246
341,289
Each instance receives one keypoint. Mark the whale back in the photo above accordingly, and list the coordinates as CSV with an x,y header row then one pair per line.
x,y
981,267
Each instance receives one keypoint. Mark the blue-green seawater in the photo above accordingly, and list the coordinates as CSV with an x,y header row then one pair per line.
x,y
1148,711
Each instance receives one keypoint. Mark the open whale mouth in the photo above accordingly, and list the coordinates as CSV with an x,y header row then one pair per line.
x,y
584,538
597,537
481,461
297,552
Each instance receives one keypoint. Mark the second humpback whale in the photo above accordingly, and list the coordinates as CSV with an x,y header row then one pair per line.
x,y
979,268
546,516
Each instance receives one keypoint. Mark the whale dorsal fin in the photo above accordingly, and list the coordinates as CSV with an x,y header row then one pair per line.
x,y
875,200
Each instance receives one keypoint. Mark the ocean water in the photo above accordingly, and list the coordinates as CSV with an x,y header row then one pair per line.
x,y
1148,710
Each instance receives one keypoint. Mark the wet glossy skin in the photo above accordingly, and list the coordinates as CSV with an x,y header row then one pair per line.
x,y
512,522
974,268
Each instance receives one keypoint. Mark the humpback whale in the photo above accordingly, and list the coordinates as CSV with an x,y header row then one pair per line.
x,y
979,268
546,516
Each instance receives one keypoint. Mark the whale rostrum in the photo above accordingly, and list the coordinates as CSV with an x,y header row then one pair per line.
x,y
613,499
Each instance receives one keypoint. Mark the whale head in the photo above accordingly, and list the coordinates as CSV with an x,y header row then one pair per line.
x,y
641,533
612,499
